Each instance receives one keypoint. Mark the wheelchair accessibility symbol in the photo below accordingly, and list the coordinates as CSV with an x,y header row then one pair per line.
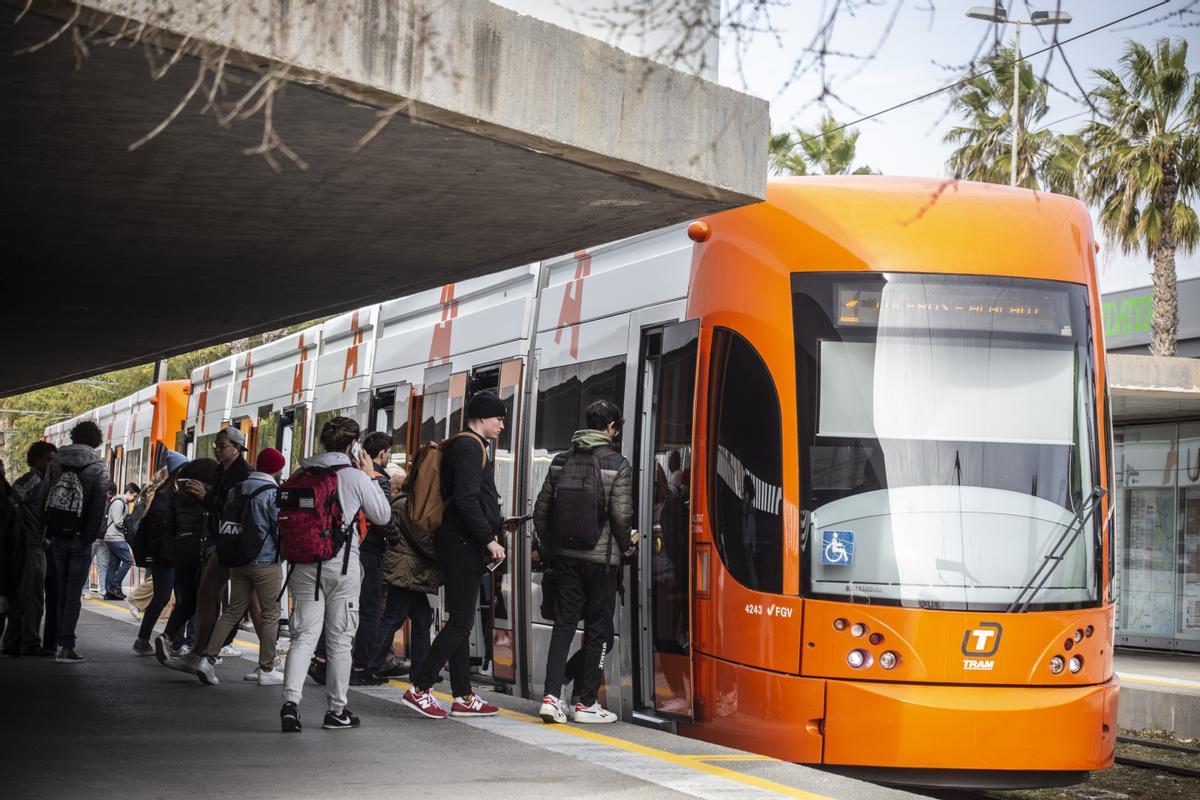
x,y
837,548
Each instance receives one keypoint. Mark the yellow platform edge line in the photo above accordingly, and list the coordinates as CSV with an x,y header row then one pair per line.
x,y
693,762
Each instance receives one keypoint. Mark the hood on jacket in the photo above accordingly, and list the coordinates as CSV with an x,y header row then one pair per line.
x,y
77,456
326,460
588,439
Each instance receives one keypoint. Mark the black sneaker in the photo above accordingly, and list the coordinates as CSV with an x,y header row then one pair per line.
x,y
394,670
289,718
342,721
112,596
366,677
316,671
12,652
37,652
67,655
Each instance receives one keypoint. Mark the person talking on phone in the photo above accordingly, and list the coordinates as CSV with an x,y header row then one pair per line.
x,y
471,537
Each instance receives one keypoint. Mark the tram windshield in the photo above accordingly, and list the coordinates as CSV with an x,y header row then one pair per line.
x,y
947,440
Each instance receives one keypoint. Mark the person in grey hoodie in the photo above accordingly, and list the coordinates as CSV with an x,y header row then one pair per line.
x,y
72,553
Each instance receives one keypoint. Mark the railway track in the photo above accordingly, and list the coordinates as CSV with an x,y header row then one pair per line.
x,y
1141,763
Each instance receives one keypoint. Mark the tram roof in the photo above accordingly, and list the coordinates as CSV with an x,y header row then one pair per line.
x,y
877,222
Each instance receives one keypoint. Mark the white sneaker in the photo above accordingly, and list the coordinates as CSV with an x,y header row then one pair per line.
x,y
136,613
229,651
552,710
271,677
593,714
252,676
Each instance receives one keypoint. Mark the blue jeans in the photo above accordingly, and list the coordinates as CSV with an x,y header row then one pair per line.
x,y
72,559
120,558
403,604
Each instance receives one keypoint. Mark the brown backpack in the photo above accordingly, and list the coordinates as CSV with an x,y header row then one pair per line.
x,y
426,506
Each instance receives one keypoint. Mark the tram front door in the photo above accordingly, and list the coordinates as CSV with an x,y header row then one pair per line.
x,y
660,587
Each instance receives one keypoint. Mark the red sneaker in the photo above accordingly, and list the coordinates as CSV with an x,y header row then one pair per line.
x,y
424,703
472,706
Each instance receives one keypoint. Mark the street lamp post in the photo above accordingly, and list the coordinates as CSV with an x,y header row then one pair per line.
x,y
998,15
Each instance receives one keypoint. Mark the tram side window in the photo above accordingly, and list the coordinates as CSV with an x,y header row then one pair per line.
x,y
564,393
746,466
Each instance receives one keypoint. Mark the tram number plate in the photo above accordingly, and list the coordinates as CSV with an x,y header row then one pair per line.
x,y
771,610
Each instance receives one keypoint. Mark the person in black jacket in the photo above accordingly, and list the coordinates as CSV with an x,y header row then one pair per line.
x,y
470,537
160,524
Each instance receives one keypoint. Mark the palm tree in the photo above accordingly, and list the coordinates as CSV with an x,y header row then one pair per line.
x,y
779,154
827,149
984,142
1140,165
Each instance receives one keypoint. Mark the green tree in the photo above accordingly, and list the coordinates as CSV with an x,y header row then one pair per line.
x,y
1140,165
983,143
828,149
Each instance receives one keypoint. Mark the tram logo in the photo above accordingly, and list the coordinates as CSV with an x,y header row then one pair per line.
x,y
981,642
837,548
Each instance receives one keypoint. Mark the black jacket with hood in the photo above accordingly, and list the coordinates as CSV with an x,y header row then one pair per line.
x,y
469,483
93,477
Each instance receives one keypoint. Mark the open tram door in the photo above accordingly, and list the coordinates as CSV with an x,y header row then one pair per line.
x,y
659,591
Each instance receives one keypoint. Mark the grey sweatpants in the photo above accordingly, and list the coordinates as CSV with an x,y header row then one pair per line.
x,y
336,608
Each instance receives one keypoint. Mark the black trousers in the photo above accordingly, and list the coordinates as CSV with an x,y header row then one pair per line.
x,y
463,569
586,591
188,561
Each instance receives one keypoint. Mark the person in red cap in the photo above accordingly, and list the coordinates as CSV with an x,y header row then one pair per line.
x,y
262,577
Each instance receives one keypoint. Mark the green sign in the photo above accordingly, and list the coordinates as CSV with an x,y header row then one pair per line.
x,y
1127,316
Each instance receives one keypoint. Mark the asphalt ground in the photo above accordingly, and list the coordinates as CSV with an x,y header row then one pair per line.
x,y
122,726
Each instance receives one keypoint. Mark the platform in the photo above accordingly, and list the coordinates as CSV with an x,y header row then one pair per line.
x,y
1159,691
119,723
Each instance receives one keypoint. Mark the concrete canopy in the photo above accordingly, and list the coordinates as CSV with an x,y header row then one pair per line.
x,y
515,140
1151,388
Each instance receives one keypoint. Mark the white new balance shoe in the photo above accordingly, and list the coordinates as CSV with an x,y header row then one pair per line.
x,y
593,714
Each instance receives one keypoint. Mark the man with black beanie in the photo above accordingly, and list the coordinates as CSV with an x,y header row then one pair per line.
x,y
470,537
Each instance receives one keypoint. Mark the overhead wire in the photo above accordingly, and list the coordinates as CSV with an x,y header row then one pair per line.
x,y
997,68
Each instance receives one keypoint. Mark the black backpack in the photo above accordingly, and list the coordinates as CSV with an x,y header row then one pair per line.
x,y
577,511
238,541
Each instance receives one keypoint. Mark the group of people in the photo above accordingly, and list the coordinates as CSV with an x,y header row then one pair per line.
x,y
215,533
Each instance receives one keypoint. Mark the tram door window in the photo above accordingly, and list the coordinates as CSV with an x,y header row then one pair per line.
x,y
401,427
266,432
664,456
746,464
379,415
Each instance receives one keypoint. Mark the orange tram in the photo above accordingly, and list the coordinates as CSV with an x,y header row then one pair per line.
x,y
870,435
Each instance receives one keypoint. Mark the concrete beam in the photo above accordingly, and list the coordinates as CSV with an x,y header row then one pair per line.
x,y
1153,387
513,140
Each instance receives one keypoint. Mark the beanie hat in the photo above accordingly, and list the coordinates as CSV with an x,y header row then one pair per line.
x,y
175,460
235,436
270,461
485,405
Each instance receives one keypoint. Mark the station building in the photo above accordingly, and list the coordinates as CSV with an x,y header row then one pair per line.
x,y
1156,425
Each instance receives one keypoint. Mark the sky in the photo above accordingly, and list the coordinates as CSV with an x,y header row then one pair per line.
x,y
918,55
914,59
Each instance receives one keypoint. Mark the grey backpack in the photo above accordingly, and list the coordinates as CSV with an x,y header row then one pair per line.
x,y
64,505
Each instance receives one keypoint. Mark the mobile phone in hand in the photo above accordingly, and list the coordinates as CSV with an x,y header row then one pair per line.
x,y
494,563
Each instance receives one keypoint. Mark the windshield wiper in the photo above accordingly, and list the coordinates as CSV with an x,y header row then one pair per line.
x,y
1056,555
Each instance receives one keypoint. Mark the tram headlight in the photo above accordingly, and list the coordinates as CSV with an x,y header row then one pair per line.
x,y
839,624
856,658
1079,635
1056,665
888,659
1075,664
858,629
875,638
1090,630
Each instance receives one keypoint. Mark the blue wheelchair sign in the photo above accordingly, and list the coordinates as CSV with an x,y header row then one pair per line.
x,y
837,548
